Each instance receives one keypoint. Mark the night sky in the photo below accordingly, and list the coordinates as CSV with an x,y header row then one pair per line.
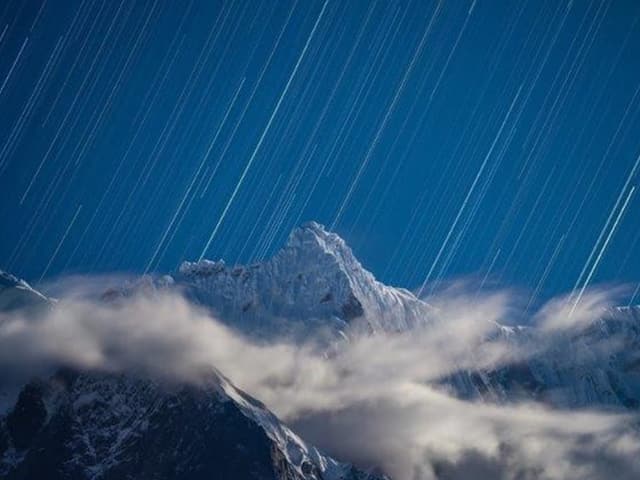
x,y
498,139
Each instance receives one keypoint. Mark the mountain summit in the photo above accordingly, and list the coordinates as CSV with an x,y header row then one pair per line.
x,y
315,276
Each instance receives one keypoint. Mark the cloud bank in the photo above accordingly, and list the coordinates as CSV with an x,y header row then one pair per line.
x,y
372,400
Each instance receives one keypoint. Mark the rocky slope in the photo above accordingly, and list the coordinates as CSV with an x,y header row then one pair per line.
x,y
98,426
93,425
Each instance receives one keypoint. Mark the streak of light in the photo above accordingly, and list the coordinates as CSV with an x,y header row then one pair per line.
x,y
55,253
259,218
4,31
407,117
545,274
16,131
248,103
390,110
80,51
75,99
489,270
469,193
35,21
194,177
263,135
602,250
606,225
633,297
161,78
13,66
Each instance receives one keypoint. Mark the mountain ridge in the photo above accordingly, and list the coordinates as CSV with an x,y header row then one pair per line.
x,y
314,276
110,426
315,282
78,425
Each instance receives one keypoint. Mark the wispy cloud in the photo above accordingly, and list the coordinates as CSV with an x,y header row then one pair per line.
x,y
372,400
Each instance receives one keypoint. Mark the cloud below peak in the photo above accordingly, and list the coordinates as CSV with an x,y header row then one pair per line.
x,y
374,400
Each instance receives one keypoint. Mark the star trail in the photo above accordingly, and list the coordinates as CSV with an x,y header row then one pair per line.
x,y
499,140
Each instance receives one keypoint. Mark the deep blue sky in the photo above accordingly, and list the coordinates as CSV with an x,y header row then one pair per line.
x,y
493,138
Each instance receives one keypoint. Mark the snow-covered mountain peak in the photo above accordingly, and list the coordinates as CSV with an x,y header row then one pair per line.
x,y
315,276
307,245
313,238
311,245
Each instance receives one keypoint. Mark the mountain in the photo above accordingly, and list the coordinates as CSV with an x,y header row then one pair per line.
x,y
98,426
93,425
315,283
595,366
314,280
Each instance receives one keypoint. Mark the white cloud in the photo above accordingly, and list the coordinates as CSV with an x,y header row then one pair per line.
x,y
370,400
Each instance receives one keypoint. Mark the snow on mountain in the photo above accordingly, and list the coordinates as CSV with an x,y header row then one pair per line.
x,y
314,277
16,293
596,366
91,425
104,426
316,280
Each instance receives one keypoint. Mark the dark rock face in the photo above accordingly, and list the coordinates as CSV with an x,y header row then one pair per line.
x,y
4,438
184,442
27,417
49,455
113,428
352,308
